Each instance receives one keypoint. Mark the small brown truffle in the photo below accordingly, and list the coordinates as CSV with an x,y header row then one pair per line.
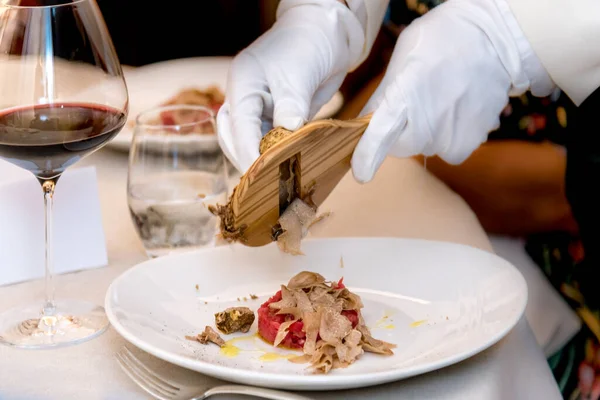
x,y
272,137
234,319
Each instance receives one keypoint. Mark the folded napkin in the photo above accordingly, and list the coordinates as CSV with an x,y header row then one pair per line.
x,y
79,241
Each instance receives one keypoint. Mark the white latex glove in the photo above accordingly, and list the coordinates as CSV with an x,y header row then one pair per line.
x,y
449,79
288,74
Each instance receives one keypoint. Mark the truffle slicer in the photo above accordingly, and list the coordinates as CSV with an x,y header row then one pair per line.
x,y
306,164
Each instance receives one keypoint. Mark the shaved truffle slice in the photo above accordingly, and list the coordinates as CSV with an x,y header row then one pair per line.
x,y
234,319
373,345
306,280
294,222
208,336
334,326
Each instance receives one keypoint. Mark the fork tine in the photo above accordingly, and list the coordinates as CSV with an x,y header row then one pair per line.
x,y
143,379
134,377
168,384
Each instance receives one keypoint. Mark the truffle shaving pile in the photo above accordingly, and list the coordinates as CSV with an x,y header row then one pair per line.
x,y
336,334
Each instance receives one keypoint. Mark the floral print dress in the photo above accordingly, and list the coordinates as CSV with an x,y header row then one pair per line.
x,y
576,366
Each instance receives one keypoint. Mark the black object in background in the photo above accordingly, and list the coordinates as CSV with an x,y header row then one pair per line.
x,y
145,32
583,191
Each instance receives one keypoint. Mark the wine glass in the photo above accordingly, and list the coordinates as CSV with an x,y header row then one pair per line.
x,y
62,96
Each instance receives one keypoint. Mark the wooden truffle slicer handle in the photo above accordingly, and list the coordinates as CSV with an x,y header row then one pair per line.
x,y
307,163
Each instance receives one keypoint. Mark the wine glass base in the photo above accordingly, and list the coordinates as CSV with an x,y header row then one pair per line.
x,y
75,321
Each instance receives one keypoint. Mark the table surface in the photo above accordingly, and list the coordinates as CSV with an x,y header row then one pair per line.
x,y
409,203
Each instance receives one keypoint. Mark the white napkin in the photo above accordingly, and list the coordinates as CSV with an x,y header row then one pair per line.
x,y
79,241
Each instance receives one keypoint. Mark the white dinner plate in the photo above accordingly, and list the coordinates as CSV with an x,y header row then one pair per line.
x,y
153,84
440,303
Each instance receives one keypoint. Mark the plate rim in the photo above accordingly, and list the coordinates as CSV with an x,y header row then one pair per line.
x,y
312,382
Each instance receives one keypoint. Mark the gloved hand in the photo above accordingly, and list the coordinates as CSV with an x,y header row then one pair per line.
x,y
288,74
449,79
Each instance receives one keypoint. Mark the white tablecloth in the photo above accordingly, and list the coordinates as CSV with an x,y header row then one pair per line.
x,y
403,200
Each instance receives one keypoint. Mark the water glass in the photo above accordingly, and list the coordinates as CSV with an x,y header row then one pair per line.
x,y
176,171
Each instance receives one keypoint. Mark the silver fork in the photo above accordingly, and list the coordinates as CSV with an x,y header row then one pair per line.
x,y
163,388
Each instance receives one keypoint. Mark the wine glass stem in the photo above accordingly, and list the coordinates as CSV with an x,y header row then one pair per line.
x,y
49,305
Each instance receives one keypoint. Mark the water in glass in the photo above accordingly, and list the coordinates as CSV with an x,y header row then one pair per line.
x,y
173,178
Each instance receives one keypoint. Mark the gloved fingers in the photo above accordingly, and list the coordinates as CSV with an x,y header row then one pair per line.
x,y
378,95
324,94
388,122
246,126
225,136
290,113
292,96
470,137
248,105
239,138
403,59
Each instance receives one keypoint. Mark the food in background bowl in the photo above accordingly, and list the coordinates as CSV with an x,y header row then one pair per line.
x,y
212,98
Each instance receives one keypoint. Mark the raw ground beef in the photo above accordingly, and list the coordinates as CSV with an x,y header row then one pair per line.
x,y
269,322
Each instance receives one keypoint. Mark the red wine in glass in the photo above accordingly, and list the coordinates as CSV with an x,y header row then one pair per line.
x,y
46,139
